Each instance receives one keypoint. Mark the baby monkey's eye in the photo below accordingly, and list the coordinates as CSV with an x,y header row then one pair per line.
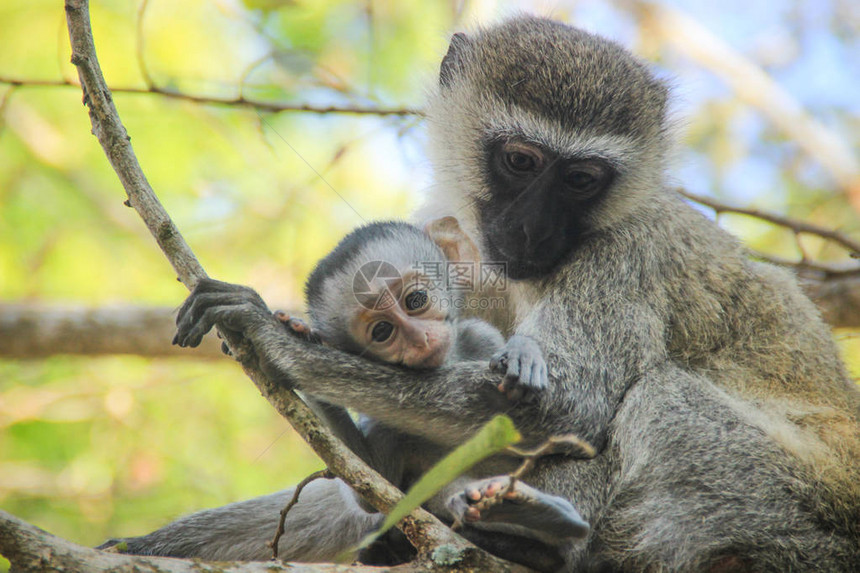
x,y
382,331
416,300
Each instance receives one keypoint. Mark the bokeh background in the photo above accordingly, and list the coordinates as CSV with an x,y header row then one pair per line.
x,y
99,446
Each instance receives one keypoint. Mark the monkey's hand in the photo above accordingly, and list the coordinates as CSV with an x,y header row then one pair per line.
x,y
233,308
521,361
520,508
297,326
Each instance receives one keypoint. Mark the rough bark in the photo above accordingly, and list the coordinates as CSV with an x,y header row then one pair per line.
x,y
33,550
29,331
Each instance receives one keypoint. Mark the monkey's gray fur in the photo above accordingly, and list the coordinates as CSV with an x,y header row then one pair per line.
x,y
726,423
402,458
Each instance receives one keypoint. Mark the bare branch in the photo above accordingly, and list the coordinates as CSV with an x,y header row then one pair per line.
x,y
422,529
141,61
29,331
240,101
797,227
31,549
110,132
326,474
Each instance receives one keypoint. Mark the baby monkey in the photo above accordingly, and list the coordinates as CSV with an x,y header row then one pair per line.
x,y
382,293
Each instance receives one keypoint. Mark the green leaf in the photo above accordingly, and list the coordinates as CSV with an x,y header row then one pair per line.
x,y
496,435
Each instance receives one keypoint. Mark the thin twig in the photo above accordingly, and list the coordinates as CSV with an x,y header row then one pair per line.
x,y
141,61
240,101
797,228
567,444
293,501
794,225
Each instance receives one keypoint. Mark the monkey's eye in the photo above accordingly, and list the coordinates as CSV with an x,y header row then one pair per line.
x,y
520,162
587,178
580,179
416,300
382,331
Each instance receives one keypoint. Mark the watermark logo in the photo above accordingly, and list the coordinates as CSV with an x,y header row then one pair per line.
x,y
370,274
377,284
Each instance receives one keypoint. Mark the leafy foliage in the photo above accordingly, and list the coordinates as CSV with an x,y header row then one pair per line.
x,y
496,435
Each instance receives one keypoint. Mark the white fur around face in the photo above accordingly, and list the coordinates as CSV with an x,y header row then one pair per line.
x,y
459,126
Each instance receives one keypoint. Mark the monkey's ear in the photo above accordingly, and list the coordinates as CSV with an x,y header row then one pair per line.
x,y
453,240
452,63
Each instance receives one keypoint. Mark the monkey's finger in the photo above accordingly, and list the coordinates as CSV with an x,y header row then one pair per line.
x,y
512,375
230,316
209,286
205,285
224,348
499,362
493,488
198,306
526,371
193,335
299,326
537,378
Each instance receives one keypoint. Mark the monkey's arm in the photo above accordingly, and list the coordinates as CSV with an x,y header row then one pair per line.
x,y
445,405
342,425
476,340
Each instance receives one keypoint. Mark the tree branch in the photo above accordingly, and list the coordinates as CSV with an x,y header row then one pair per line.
x,y
837,298
811,270
34,550
240,101
423,530
29,331
796,226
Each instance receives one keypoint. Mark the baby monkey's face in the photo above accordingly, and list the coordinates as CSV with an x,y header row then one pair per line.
x,y
407,326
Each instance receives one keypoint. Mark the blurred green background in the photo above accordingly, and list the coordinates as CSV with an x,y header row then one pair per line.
x,y
92,447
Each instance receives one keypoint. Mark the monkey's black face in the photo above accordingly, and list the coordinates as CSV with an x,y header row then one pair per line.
x,y
538,205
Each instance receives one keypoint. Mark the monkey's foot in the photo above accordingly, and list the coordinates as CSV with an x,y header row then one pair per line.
x,y
495,500
296,326
522,363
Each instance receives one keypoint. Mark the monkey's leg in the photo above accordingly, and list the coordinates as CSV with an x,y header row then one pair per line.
x,y
326,521
494,504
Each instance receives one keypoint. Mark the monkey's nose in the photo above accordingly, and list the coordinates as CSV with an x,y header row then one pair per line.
x,y
536,233
417,337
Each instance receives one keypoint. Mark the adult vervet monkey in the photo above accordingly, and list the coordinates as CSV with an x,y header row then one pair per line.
x,y
726,423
